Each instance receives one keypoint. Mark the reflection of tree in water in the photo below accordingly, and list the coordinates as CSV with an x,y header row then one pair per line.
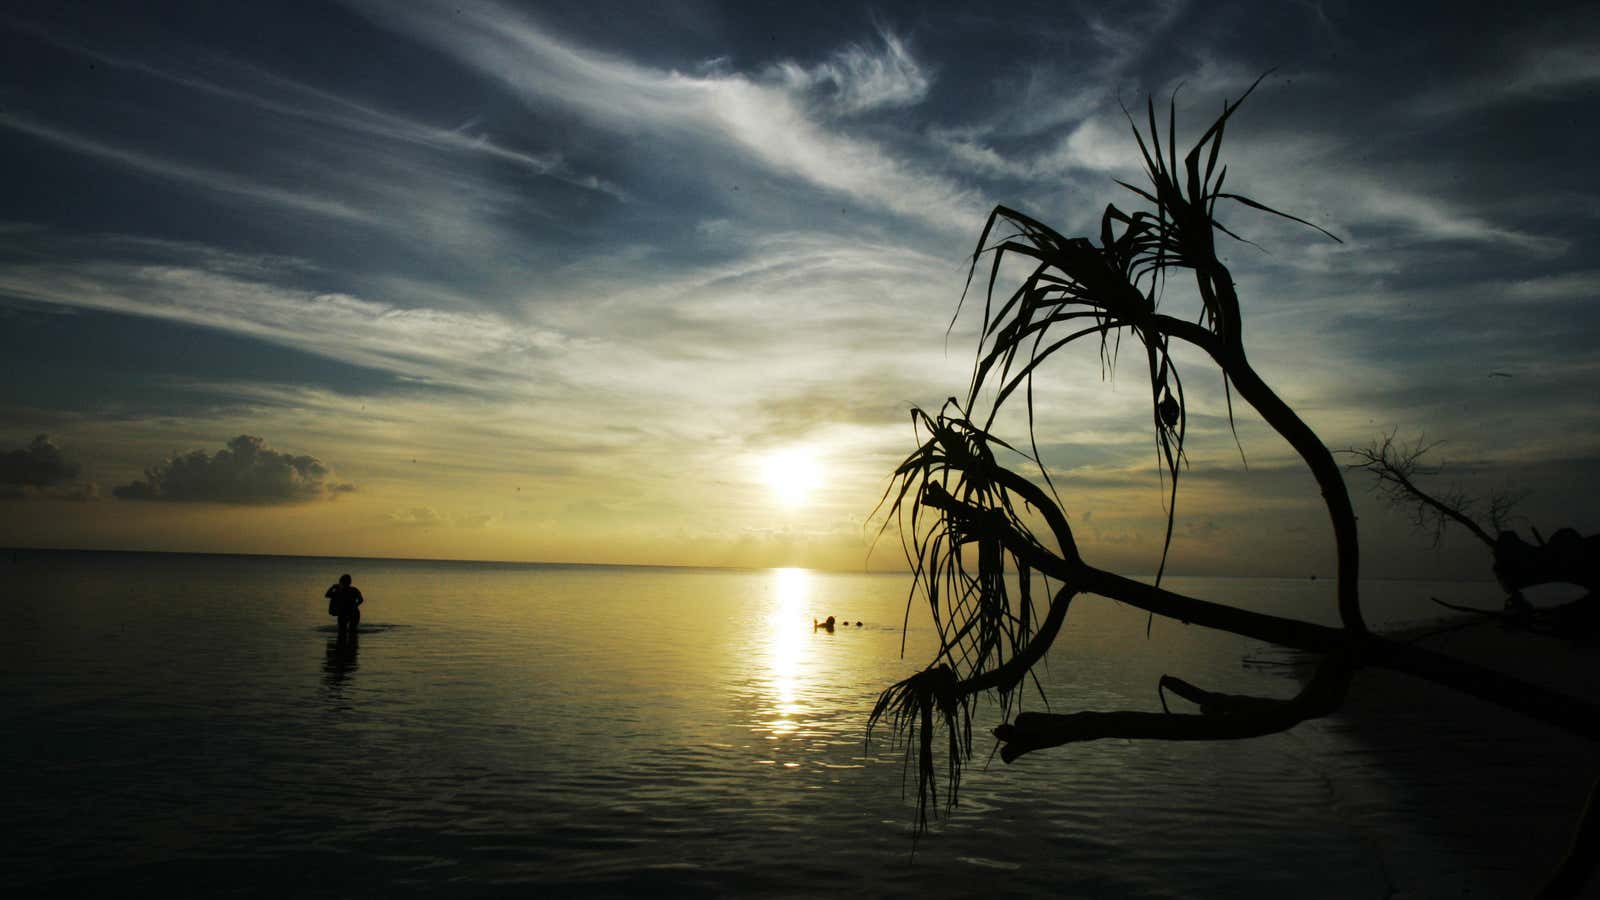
x,y
339,663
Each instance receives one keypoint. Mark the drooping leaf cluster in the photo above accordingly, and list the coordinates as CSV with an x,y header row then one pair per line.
x,y
965,564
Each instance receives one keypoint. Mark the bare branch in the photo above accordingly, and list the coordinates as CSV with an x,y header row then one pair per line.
x,y
1395,467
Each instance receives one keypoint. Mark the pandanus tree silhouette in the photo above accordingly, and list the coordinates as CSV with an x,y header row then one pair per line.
x,y
964,518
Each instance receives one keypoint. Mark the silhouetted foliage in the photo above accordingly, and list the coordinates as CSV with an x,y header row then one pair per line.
x,y
964,518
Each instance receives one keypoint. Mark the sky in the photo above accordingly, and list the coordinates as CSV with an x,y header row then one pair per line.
x,y
660,283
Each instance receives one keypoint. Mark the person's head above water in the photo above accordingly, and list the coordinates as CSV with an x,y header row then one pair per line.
x,y
344,580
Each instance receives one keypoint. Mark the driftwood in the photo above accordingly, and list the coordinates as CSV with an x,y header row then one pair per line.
x,y
1566,558
967,522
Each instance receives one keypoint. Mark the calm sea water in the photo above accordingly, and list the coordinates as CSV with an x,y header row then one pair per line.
x,y
189,724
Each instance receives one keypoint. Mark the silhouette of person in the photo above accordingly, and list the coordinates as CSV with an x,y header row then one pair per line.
x,y
344,601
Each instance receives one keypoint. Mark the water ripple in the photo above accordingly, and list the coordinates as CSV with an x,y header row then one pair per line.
x,y
614,733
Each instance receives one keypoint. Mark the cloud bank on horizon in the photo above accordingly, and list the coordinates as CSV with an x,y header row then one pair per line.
x,y
40,469
560,277
246,471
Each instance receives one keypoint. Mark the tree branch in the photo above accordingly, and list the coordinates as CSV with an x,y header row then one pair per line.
x,y
1278,414
1322,695
1393,467
1571,714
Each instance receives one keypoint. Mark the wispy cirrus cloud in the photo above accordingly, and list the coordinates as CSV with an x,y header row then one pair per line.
x,y
260,89
859,78
428,517
402,197
440,347
1535,67
630,381
210,179
572,270
688,339
761,123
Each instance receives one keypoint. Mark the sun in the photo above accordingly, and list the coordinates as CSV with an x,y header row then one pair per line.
x,y
793,475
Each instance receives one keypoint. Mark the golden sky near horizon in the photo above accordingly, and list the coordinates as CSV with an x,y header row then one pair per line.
x,y
495,283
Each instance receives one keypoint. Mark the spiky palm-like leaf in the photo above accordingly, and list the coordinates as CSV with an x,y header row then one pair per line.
x,y
1074,289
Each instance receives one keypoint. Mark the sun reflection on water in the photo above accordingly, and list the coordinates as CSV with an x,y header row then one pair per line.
x,y
786,648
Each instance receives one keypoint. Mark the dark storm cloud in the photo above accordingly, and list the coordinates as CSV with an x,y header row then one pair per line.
x,y
41,470
245,472
40,464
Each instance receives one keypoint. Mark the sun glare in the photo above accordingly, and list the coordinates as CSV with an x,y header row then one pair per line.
x,y
786,650
793,475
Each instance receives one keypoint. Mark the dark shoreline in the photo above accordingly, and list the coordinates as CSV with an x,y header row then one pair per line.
x,y
1500,789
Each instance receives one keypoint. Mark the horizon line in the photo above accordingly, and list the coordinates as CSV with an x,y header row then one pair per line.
x,y
614,565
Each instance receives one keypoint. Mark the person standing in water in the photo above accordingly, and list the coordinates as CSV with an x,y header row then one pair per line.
x,y
344,601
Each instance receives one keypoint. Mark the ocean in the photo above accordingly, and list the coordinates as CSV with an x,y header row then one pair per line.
x,y
189,725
